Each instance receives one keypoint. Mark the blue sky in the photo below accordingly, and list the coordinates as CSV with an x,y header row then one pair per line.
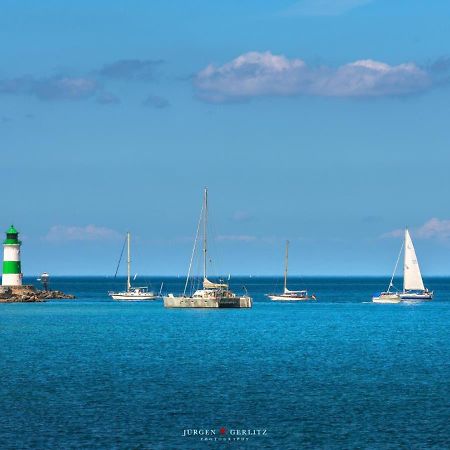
x,y
325,122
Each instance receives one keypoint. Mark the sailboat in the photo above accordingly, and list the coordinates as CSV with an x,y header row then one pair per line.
x,y
413,287
212,295
287,294
132,293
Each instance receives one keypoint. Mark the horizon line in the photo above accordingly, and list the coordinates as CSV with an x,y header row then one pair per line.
x,y
237,275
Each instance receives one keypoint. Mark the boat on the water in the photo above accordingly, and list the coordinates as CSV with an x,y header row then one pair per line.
x,y
413,287
211,294
132,293
387,297
287,294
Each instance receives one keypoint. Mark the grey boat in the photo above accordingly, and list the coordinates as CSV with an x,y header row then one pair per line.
x,y
212,295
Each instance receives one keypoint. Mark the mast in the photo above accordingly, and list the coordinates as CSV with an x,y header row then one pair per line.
x,y
205,227
286,266
128,263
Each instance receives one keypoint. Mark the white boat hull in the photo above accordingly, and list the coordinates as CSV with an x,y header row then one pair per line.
x,y
289,298
389,298
133,298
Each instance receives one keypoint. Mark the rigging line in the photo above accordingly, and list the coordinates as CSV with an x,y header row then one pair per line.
x,y
193,251
197,281
395,269
197,269
120,258
194,280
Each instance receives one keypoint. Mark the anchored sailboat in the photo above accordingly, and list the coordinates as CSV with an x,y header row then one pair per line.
x,y
288,295
132,293
213,295
413,287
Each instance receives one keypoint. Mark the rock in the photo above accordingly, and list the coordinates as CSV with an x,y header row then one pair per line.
x,y
5,292
28,293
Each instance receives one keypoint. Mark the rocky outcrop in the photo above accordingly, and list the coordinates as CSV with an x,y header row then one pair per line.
x,y
12,294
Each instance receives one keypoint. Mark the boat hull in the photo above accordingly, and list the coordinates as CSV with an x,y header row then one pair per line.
x,y
412,296
222,302
133,298
286,298
392,298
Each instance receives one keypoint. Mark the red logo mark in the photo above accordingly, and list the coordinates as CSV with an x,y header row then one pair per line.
x,y
223,430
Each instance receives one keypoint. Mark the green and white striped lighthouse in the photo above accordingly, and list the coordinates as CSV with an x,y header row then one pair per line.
x,y
12,275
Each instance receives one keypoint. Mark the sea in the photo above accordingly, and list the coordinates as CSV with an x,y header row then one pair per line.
x,y
338,373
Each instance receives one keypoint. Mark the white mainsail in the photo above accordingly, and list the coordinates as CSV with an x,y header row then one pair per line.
x,y
412,278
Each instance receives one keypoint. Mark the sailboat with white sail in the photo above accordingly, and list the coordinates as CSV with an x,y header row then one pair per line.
x,y
287,294
212,295
132,293
413,287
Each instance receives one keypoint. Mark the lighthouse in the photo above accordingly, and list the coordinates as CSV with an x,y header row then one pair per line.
x,y
12,275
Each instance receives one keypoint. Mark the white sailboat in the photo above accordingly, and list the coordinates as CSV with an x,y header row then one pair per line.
x,y
213,295
413,287
132,293
288,295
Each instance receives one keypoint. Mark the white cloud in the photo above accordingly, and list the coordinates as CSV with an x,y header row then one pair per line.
x,y
257,74
432,229
58,233
323,7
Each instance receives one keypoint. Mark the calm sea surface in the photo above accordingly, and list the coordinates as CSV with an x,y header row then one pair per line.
x,y
340,373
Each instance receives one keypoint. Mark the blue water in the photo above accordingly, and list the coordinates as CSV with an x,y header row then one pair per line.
x,y
341,373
